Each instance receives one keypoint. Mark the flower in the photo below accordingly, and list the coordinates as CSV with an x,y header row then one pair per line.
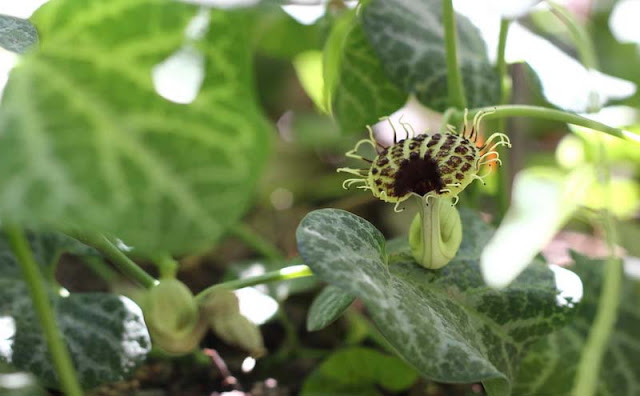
x,y
439,165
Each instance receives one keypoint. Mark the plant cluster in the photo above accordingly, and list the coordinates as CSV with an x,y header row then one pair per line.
x,y
136,135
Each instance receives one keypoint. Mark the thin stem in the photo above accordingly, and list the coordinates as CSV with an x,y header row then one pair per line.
x,y
502,62
555,115
257,242
37,289
584,46
454,78
127,266
579,35
587,377
505,92
292,272
100,268
446,116
167,265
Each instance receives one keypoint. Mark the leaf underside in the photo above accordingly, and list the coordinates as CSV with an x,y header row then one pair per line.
x,y
327,307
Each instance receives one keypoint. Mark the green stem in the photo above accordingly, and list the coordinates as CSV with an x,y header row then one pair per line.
x,y
100,268
37,289
505,91
292,272
579,35
502,62
167,265
555,115
584,46
117,258
446,117
454,78
587,375
257,242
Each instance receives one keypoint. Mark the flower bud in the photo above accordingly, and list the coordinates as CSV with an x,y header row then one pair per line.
x,y
172,317
230,325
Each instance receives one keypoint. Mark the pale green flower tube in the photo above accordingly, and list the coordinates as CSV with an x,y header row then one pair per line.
x,y
436,233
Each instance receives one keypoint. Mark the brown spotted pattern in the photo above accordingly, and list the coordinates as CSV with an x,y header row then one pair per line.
x,y
441,164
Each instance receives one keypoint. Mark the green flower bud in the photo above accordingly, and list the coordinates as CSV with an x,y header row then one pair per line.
x,y
436,233
230,325
172,317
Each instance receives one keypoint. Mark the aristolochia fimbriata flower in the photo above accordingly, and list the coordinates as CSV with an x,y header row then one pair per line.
x,y
439,165
426,166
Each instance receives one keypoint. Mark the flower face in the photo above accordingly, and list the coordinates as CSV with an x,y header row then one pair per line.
x,y
439,165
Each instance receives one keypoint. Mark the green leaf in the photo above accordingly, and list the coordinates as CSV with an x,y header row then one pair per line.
x,y
408,38
358,371
105,333
16,34
272,27
550,366
446,323
86,141
356,86
327,307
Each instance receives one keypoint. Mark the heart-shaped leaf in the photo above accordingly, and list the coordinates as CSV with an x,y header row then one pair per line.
x,y
446,323
87,142
408,37
550,366
327,307
105,333
16,34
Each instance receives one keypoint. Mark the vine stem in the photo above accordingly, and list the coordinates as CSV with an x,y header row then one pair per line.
x,y
257,242
291,272
454,78
584,46
127,266
587,374
37,289
503,177
580,37
502,111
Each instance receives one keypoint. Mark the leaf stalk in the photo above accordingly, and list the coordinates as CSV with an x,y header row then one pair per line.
x,y
37,289
454,78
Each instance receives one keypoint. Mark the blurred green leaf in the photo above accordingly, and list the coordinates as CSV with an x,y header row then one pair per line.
x,y
359,371
543,200
408,38
308,67
88,143
356,86
276,33
446,323
105,333
550,366
16,34
327,307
